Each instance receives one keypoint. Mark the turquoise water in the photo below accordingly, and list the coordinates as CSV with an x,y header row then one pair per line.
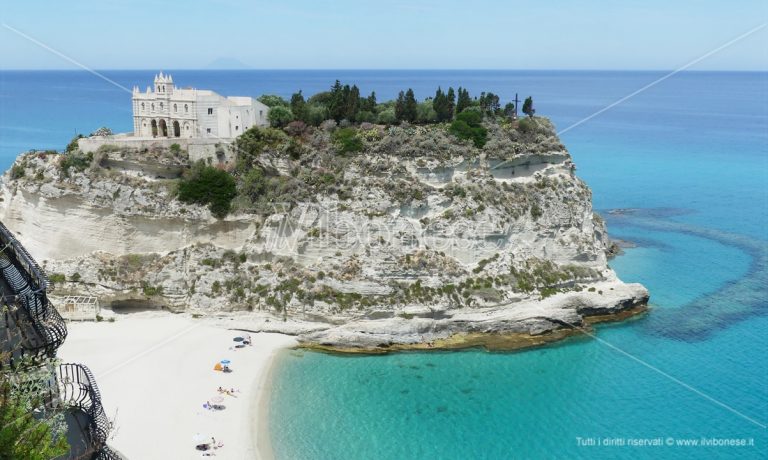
x,y
690,154
699,177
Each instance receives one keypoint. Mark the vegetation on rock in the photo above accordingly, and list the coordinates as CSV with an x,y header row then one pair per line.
x,y
207,185
24,432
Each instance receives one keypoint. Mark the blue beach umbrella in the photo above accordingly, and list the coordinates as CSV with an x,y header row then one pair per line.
x,y
225,362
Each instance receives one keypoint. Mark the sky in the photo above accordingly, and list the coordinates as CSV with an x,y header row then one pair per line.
x,y
398,34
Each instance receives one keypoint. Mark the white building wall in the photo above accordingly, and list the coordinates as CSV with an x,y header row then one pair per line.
x,y
229,117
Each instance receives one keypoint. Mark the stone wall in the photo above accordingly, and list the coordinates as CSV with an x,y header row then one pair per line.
x,y
218,150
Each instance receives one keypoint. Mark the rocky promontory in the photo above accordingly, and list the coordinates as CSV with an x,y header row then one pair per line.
x,y
352,237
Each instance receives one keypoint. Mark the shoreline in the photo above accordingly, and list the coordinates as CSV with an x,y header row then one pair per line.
x,y
161,364
491,342
260,407
155,372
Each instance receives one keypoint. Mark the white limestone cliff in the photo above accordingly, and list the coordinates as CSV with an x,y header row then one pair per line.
x,y
420,237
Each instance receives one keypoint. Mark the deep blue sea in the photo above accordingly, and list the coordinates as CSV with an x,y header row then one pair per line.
x,y
689,156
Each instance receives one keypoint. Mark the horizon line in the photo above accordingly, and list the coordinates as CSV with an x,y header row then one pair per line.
x,y
383,69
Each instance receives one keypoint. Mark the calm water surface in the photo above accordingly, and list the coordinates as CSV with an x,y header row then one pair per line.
x,y
691,154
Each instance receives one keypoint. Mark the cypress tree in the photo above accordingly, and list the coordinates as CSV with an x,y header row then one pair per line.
x,y
400,107
299,106
336,103
463,102
411,106
528,107
352,103
440,105
451,103
370,103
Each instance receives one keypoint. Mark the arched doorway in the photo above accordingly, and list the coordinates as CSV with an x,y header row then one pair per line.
x,y
176,129
154,128
163,129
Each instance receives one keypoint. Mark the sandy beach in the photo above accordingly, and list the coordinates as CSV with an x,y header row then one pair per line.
x,y
155,372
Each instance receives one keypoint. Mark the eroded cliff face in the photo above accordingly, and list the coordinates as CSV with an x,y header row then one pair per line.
x,y
419,237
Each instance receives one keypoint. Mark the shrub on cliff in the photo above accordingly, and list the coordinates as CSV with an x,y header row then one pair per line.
x,y
254,142
17,172
347,140
72,146
76,160
208,186
467,125
279,116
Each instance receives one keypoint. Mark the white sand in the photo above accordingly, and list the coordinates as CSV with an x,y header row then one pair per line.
x,y
155,372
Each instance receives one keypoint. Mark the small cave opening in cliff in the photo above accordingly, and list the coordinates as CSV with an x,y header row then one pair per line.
x,y
124,307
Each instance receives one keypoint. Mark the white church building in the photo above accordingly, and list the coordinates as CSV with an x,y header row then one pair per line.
x,y
166,111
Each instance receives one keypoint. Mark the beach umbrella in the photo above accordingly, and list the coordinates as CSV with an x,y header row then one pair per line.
x,y
200,439
238,339
225,362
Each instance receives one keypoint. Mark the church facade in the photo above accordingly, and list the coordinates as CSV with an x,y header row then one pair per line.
x,y
166,111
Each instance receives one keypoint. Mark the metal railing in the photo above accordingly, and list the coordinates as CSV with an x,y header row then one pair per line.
x,y
28,285
78,389
106,453
13,248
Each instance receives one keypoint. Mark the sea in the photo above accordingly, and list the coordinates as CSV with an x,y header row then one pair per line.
x,y
679,170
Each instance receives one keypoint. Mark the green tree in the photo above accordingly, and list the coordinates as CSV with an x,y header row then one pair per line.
x,y
23,435
272,100
336,101
352,103
299,106
425,112
528,107
489,103
316,114
387,117
279,116
451,98
411,108
463,101
468,125
440,105
509,109
207,185
370,103
400,106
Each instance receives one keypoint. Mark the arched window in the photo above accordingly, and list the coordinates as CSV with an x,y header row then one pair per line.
x,y
163,88
161,106
142,106
175,108
153,107
186,108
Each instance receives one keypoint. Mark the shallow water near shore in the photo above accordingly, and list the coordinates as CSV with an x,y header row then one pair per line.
x,y
690,165
680,168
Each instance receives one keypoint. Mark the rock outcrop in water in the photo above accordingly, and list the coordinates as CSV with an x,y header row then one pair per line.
x,y
420,237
